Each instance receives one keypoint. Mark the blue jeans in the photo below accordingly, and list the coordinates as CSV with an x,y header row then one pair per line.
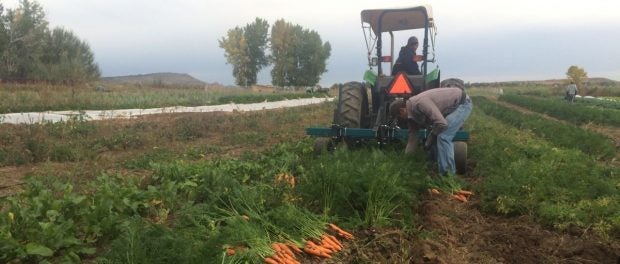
x,y
445,147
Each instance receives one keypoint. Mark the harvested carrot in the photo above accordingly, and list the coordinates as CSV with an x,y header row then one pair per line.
x,y
275,247
327,243
324,249
288,258
285,178
316,252
341,232
278,259
335,246
465,193
293,247
460,198
269,260
286,249
310,244
335,240
292,181
435,191
230,251
345,235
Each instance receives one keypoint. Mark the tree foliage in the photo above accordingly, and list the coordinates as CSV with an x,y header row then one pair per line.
x,y
30,51
299,55
576,74
245,50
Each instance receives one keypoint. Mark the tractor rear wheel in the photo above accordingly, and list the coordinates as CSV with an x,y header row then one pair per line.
x,y
352,110
460,157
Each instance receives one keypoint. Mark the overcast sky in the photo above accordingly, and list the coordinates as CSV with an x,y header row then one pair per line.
x,y
478,40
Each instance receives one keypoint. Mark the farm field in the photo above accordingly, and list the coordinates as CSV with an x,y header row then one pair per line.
x,y
193,188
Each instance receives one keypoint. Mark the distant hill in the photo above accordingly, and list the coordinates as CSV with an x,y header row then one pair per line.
x,y
156,79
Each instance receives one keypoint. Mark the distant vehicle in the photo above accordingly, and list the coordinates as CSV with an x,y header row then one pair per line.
x,y
317,89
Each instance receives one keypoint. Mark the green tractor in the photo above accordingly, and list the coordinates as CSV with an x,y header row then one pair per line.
x,y
363,111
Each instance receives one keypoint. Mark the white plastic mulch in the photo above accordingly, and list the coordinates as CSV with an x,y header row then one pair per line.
x,y
56,116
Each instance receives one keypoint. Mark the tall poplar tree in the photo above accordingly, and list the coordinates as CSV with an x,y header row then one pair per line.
x,y
244,48
299,55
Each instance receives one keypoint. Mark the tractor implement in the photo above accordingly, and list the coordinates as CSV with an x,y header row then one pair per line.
x,y
383,134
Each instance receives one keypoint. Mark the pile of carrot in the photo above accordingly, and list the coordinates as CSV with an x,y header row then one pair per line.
x,y
323,248
285,178
462,195
284,254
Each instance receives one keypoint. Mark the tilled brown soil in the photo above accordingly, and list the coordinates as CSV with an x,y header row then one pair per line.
x,y
455,232
464,235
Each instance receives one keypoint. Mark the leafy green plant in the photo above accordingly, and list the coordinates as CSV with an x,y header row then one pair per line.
x,y
524,175
574,113
370,187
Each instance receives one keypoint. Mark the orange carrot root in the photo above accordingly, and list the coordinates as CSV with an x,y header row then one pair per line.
x,y
316,252
294,247
341,232
270,261
465,193
459,198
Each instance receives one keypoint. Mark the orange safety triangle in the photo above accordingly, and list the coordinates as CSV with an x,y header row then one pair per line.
x,y
400,85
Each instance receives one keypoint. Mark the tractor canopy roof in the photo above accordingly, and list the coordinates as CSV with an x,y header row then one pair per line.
x,y
386,20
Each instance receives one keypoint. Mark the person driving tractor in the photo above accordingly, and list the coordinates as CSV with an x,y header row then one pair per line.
x,y
407,59
444,110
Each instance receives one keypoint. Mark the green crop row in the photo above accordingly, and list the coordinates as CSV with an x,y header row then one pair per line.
x,y
191,212
526,175
42,100
256,98
560,134
574,113
604,103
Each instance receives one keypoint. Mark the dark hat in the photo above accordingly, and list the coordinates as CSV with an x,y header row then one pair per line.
x,y
412,41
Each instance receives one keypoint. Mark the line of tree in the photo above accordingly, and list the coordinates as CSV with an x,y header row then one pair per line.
x,y
32,52
298,55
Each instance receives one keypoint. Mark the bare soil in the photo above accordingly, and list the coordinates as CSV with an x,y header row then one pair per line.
x,y
455,232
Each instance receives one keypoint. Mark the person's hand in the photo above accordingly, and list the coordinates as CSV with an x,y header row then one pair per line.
x,y
436,129
418,58
412,142
430,140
